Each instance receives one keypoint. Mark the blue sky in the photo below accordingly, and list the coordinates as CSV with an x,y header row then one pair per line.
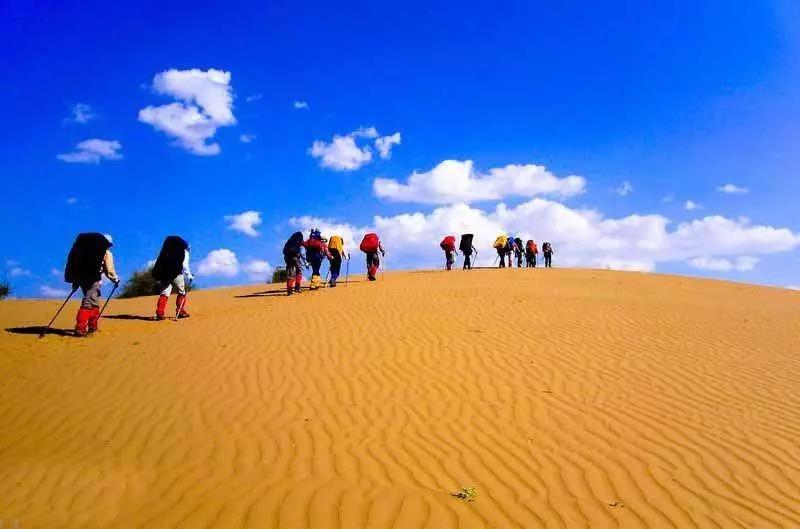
x,y
677,100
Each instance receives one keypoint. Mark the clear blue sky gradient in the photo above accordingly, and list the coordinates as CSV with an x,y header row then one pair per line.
x,y
675,97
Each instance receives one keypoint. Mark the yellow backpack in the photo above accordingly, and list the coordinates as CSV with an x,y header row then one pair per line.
x,y
500,242
336,243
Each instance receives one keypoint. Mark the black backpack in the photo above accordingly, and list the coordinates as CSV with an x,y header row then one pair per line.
x,y
85,258
169,263
293,245
466,244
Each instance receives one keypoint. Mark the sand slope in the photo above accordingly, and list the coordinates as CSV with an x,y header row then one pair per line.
x,y
568,398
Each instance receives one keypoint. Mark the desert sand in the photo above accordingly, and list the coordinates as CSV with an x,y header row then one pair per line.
x,y
567,398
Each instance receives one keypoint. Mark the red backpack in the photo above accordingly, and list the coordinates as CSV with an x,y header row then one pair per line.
x,y
370,243
448,244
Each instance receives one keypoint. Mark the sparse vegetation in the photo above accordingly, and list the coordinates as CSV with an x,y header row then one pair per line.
x,y
279,275
5,289
143,283
468,494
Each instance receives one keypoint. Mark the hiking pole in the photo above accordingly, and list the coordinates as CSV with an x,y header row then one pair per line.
x,y
44,331
107,300
347,267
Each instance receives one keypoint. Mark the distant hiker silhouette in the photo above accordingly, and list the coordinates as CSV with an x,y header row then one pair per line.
x,y
293,256
547,251
530,254
371,245
316,251
448,244
467,249
89,259
172,270
336,248
500,245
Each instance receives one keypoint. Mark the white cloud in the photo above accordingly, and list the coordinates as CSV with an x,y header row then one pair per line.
x,y
691,205
365,132
221,262
716,264
81,113
253,97
733,189
55,272
205,104
384,145
793,287
666,199
624,189
50,292
300,105
93,151
247,138
257,270
454,181
245,222
18,271
71,200
580,237
341,154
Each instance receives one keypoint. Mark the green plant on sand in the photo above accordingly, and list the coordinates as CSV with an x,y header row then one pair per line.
x,y
143,283
279,275
468,494
5,289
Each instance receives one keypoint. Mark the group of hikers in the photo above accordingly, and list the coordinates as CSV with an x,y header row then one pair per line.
x,y
507,247
90,259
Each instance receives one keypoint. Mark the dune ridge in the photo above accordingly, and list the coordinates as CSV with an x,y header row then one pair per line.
x,y
568,398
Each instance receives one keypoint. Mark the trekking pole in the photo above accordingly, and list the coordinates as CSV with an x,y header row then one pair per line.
x,y
44,331
347,267
107,300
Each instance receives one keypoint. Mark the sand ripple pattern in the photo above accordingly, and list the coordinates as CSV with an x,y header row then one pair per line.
x,y
570,399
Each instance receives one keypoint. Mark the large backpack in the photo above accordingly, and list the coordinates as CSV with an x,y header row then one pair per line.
x,y
169,263
466,243
500,242
448,244
546,248
293,245
518,242
85,258
314,240
531,248
370,243
336,243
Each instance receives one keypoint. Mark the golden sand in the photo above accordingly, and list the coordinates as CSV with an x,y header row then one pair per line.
x,y
567,398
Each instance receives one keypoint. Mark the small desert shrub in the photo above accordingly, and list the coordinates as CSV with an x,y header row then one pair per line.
x,y
5,289
279,275
143,283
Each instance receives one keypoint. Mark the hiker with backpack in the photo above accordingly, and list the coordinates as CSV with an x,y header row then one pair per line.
x,y
500,245
518,251
510,245
89,259
293,257
171,270
448,244
530,254
547,251
336,249
371,245
316,250
467,248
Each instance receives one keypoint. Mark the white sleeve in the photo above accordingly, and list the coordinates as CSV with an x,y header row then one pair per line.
x,y
186,270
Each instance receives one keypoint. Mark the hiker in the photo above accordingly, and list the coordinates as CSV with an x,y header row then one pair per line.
x,y
336,249
371,245
293,256
500,245
510,250
518,251
467,248
448,244
171,270
530,254
89,259
316,250
547,251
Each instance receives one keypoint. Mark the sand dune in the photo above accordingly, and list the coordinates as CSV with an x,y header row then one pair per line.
x,y
567,398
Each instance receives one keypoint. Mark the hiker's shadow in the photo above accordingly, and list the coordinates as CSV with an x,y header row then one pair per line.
x,y
129,317
37,330
282,291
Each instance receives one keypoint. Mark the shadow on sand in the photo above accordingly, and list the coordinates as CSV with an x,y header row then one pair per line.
x,y
37,330
281,292
129,317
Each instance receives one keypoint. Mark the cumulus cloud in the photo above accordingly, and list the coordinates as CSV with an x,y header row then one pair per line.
x,y
624,189
247,138
245,222
344,153
204,103
384,145
581,237
50,292
716,264
93,151
220,262
733,189
81,113
454,181
300,105
691,205
18,271
341,154
257,270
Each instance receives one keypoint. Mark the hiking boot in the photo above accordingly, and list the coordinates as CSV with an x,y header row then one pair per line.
x,y
182,314
94,320
159,317
82,321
